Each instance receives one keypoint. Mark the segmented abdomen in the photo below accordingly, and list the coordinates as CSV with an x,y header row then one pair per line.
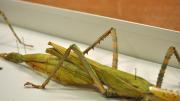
x,y
167,95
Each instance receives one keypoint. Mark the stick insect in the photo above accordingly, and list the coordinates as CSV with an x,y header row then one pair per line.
x,y
71,67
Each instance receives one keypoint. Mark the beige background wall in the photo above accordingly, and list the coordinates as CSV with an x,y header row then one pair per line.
x,y
162,13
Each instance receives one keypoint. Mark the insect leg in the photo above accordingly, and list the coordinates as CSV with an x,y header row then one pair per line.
x,y
87,66
107,92
12,30
42,86
169,53
111,31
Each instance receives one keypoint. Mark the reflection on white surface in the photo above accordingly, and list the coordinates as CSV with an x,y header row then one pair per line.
x,y
13,76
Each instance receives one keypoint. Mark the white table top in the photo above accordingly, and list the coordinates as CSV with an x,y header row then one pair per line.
x,y
13,76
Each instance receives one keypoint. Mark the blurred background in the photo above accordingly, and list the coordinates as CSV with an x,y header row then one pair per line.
x,y
161,13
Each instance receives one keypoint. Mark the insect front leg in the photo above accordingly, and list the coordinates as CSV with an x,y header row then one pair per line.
x,y
85,63
170,52
12,29
42,86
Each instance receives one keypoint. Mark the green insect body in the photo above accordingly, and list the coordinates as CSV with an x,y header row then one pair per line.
x,y
81,71
72,73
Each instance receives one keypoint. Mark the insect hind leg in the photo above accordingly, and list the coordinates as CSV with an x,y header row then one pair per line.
x,y
172,50
111,31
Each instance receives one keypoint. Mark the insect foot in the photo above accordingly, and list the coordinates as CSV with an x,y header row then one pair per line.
x,y
31,85
110,93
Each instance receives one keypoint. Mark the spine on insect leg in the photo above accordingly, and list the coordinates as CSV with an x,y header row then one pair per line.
x,y
167,95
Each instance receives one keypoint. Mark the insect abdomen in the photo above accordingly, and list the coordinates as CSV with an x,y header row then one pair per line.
x,y
165,94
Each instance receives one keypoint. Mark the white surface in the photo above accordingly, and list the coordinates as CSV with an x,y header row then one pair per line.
x,y
137,40
13,76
